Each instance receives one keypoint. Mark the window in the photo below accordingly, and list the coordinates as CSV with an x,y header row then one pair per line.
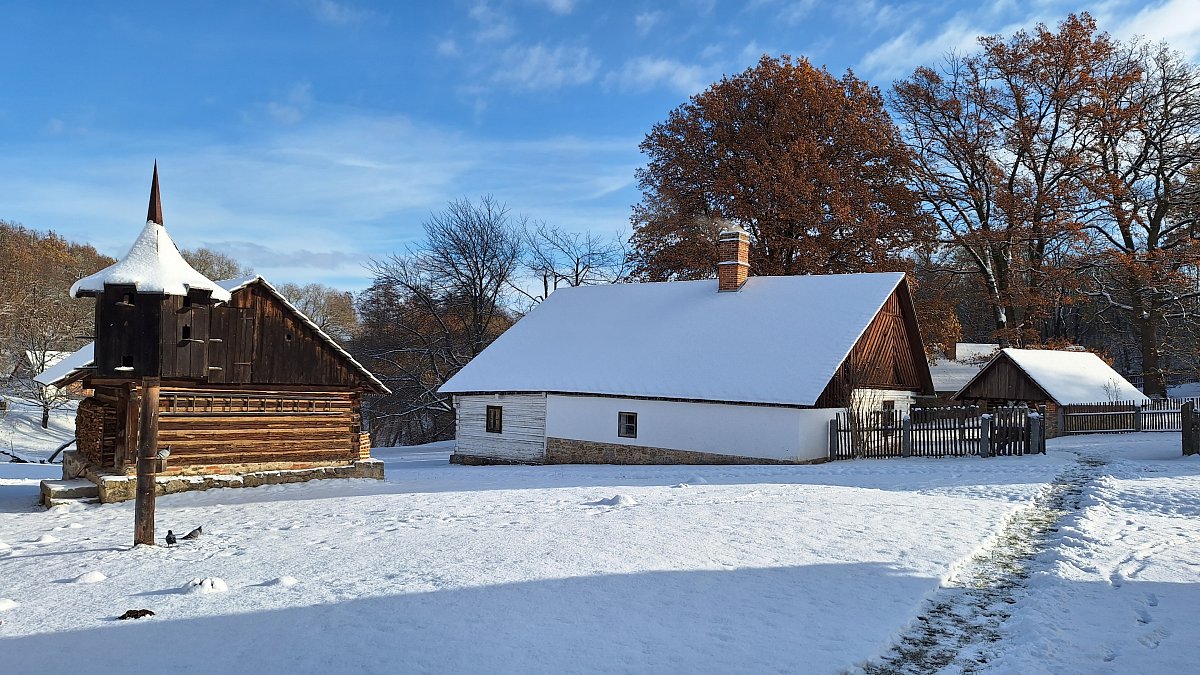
x,y
187,333
627,425
495,419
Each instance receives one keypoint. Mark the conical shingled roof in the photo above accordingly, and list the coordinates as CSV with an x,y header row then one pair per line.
x,y
153,264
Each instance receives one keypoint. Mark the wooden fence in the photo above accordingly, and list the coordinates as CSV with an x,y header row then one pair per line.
x,y
1122,416
936,432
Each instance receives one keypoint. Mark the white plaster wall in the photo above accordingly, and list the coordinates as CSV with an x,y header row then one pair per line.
x,y
739,430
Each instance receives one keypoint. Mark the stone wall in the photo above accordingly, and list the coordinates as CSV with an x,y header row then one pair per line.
x,y
119,488
568,451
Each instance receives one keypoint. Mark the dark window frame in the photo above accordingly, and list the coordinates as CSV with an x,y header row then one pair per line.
x,y
493,422
624,420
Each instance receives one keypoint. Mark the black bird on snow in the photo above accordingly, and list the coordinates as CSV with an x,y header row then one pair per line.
x,y
170,538
194,534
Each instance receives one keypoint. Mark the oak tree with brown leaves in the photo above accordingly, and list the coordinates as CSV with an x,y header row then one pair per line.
x,y
810,164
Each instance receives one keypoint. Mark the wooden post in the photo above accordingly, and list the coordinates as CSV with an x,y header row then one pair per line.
x,y
1137,417
143,513
1187,416
833,438
1061,414
906,436
985,435
1035,434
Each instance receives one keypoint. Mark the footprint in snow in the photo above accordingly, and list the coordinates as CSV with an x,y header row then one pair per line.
x,y
46,539
1152,600
205,586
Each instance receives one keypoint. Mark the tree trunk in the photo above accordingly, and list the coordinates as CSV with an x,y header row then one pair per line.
x,y
45,415
1154,381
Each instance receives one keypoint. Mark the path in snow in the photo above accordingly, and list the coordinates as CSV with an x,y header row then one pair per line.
x,y
964,617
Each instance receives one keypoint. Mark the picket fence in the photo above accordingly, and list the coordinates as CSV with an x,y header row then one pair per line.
x,y
952,431
1122,416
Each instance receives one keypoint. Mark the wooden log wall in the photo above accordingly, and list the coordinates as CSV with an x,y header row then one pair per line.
x,y
207,427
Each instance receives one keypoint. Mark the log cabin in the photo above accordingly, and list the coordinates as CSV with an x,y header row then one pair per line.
x,y
740,369
251,390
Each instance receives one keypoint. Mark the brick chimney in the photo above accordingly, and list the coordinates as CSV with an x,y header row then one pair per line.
x,y
734,266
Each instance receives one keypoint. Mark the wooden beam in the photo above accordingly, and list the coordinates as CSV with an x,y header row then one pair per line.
x,y
143,514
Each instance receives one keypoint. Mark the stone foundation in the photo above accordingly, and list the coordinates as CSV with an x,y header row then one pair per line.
x,y
568,451
476,460
119,487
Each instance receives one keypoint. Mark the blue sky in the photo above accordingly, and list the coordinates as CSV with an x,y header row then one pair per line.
x,y
305,136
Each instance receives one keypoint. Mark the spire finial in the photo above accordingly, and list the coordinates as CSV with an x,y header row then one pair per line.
x,y
154,213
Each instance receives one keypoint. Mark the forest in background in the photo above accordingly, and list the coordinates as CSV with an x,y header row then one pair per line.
x,y
1040,191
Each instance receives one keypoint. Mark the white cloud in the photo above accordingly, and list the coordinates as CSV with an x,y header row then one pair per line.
x,y
647,72
318,197
645,22
447,47
535,67
796,12
493,25
337,13
294,105
898,56
1175,21
559,6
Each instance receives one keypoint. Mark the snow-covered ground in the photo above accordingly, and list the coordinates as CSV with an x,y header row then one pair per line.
x,y
602,568
1119,589
21,431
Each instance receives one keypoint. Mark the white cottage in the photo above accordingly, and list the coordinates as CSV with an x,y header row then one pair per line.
x,y
732,370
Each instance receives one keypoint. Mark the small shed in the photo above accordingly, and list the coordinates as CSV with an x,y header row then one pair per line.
x,y
1048,377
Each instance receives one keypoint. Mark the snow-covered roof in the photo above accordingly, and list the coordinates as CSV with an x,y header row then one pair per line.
x,y
47,358
1073,376
953,374
66,368
231,286
776,340
977,351
153,265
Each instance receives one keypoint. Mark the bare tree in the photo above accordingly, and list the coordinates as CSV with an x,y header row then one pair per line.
x,y
214,264
999,158
434,308
332,310
557,257
1142,170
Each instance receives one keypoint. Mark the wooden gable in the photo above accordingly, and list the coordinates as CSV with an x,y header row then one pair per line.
x,y
1002,380
888,355
263,341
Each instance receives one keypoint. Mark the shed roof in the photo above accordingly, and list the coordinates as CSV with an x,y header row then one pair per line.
x,y
1069,377
68,368
950,375
776,340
